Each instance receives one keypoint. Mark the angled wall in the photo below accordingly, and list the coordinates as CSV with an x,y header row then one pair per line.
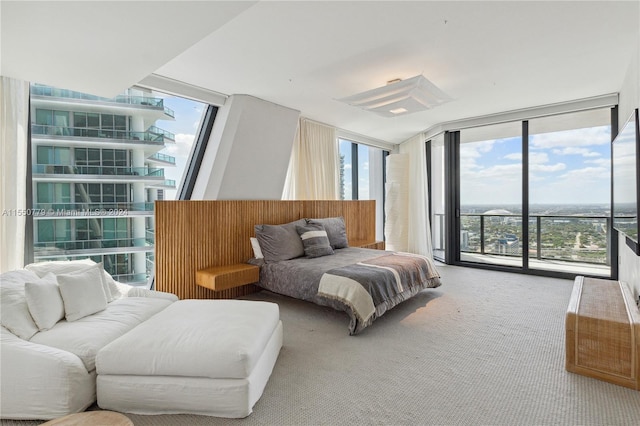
x,y
248,154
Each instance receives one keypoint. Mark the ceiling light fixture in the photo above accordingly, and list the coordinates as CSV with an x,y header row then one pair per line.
x,y
400,97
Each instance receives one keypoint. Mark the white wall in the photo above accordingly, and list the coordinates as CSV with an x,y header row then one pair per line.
x,y
629,100
248,154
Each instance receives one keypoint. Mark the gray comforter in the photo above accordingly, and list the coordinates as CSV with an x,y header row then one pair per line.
x,y
364,283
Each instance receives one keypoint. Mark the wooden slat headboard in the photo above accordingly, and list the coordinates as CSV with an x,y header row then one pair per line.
x,y
193,235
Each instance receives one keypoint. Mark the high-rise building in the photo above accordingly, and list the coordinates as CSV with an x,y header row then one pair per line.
x,y
97,169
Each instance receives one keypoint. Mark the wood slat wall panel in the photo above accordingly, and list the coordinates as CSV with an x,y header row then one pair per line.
x,y
192,235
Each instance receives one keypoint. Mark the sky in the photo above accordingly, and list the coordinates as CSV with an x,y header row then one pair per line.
x,y
188,115
566,167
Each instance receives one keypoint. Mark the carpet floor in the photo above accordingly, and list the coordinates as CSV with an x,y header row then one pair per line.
x,y
485,348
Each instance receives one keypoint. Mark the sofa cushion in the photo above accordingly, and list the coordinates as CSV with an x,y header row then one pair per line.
x,y
83,292
44,301
58,267
14,311
86,336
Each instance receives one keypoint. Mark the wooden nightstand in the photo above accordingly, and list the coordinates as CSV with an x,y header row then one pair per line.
x,y
377,245
225,277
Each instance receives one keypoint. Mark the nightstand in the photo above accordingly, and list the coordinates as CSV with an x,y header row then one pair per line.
x,y
219,278
377,245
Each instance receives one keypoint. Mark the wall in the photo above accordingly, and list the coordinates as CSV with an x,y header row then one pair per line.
x,y
629,266
248,154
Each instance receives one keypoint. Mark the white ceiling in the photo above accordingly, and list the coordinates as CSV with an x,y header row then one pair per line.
x,y
489,56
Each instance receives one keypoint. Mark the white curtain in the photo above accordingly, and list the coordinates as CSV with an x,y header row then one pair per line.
x,y
314,165
14,140
419,223
396,206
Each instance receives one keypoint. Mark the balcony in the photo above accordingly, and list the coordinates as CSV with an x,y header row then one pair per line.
x,y
147,101
168,136
122,136
570,244
167,184
80,210
163,158
57,169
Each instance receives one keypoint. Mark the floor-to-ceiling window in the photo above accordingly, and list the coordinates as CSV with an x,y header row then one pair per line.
x,y
98,165
534,195
490,164
437,179
362,176
570,192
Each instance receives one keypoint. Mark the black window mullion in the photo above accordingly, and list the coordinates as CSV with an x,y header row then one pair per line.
x,y
354,171
195,160
525,195
613,234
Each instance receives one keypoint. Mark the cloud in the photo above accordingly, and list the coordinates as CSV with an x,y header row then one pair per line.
x,y
586,174
547,168
182,147
576,151
593,136
602,162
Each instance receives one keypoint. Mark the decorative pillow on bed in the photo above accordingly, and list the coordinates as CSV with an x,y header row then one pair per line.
x,y
336,231
280,242
314,239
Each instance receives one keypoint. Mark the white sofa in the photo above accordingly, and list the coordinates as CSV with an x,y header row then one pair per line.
x,y
47,355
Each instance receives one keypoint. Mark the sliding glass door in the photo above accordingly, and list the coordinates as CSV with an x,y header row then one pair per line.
x,y
535,195
490,216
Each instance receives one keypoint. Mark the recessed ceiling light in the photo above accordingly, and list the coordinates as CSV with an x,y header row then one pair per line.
x,y
398,110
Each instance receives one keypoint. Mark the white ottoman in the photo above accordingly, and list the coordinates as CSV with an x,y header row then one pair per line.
x,y
210,357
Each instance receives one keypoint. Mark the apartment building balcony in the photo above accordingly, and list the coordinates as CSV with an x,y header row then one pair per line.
x,y
576,244
164,159
81,210
75,134
168,136
166,184
66,173
46,95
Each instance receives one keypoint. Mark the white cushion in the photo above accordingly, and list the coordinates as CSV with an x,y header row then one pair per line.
x,y
86,336
70,266
199,338
14,312
255,245
44,301
83,292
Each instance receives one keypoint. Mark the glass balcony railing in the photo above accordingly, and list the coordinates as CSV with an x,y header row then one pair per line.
x,y
163,157
57,169
77,209
158,131
82,132
148,101
90,244
582,239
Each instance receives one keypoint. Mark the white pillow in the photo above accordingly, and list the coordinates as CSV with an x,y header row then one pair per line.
x,y
68,267
44,301
257,251
14,312
83,292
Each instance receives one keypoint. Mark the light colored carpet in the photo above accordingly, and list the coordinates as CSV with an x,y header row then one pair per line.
x,y
486,348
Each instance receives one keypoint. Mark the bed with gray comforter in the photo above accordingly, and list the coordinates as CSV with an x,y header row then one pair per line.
x,y
364,283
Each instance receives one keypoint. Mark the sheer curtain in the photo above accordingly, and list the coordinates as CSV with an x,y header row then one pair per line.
x,y
314,165
14,140
419,240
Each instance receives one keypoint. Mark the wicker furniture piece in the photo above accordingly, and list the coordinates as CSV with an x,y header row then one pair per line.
x,y
603,332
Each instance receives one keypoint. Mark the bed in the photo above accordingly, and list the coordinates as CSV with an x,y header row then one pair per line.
x,y
364,283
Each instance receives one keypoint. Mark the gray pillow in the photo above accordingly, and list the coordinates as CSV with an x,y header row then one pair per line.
x,y
336,231
314,239
280,242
